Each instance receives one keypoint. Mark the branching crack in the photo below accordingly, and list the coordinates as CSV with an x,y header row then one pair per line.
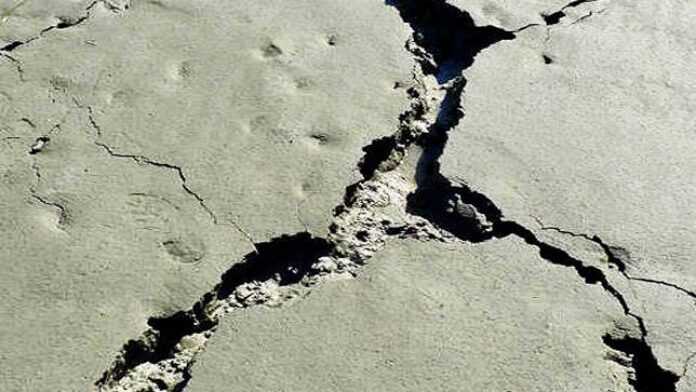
x,y
620,257
143,160
62,24
173,341
383,205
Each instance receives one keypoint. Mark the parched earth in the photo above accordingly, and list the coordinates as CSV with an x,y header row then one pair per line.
x,y
364,195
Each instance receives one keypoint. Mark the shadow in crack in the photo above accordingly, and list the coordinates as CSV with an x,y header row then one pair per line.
x,y
448,34
287,259
649,376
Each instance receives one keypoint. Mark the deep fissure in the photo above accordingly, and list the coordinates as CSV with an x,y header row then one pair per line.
x,y
470,215
286,259
649,376
444,43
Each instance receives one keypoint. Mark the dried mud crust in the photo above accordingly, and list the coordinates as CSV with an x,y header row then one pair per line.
x,y
402,196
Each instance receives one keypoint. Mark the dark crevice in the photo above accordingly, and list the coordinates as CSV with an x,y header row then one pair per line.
x,y
619,258
649,376
65,24
446,43
447,34
434,200
553,18
378,151
11,46
451,41
286,259
384,154
451,37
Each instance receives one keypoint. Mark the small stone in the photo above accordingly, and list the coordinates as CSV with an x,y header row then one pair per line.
x,y
39,145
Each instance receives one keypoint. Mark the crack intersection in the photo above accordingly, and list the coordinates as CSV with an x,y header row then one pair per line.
x,y
444,43
620,258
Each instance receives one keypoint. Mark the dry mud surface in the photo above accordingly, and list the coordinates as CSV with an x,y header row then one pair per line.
x,y
364,195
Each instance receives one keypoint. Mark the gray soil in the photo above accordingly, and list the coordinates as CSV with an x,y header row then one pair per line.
x,y
363,195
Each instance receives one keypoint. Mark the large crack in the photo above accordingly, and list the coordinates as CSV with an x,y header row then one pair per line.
x,y
472,216
383,205
162,357
648,376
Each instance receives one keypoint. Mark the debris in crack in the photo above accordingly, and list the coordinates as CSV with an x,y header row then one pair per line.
x,y
384,204
376,154
647,375
161,358
458,210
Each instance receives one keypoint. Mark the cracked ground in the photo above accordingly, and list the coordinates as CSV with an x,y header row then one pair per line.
x,y
364,195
